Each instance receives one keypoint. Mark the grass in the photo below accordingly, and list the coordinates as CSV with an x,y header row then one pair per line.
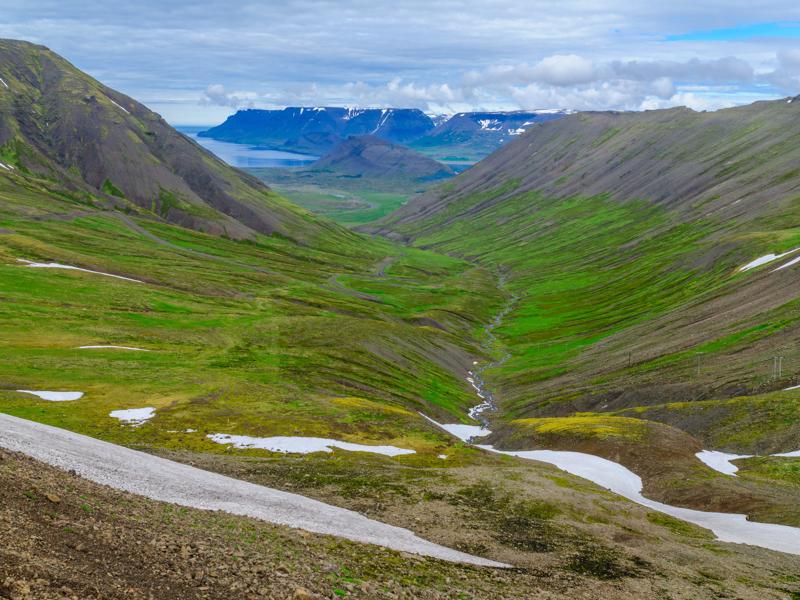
x,y
762,423
586,427
260,337
347,200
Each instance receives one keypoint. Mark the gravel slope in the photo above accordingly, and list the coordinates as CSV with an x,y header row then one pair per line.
x,y
168,481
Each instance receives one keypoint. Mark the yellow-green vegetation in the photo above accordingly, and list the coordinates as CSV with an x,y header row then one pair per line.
x,y
678,527
595,426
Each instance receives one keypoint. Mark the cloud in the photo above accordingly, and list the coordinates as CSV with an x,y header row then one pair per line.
x,y
215,94
210,55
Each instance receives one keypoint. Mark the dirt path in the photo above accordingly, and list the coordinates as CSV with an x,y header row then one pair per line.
x,y
167,481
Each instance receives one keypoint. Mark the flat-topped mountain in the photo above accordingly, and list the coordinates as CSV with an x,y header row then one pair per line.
x,y
465,137
369,156
318,129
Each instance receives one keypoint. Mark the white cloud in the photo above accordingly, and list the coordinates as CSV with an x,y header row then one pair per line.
x,y
433,54
216,94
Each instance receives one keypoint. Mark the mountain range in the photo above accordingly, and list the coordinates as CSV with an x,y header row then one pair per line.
x,y
464,137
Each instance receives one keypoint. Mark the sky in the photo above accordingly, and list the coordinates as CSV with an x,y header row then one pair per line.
x,y
197,62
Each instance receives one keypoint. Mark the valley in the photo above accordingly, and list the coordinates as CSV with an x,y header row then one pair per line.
x,y
584,286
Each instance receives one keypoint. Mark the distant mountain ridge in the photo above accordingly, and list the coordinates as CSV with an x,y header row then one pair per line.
x,y
477,134
468,135
319,129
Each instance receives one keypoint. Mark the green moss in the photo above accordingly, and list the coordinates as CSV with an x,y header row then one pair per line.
x,y
678,527
109,188
595,426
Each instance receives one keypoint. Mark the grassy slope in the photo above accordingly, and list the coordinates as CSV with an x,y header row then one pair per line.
x,y
256,337
618,291
620,237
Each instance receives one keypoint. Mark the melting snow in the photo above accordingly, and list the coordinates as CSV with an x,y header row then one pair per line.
x,y
721,461
727,527
134,416
302,445
767,258
794,387
3,81
490,124
788,264
54,396
53,265
119,106
794,454
5,166
114,347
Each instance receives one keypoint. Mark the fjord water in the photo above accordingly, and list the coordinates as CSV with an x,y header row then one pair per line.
x,y
245,155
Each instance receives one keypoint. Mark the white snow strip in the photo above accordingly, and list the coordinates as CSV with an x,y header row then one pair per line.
x,y
721,461
54,396
767,258
794,387
36,265
728,527
463,432
114,347
134,416
794,454
3,81
443,456
118,106
168,481
302,445
5,166
794,261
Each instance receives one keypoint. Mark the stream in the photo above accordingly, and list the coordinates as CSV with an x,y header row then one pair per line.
x,y
727,527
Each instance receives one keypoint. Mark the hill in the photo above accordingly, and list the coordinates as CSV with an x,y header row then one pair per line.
x,y
633,244
61,125
319,129
369,156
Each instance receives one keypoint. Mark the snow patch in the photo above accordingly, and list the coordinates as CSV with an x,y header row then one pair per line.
x,y
728,527
794,387
794,454
443,456
302,445
134,416
114,347
5,166
721,461
52,265
122,108
490,124
463,432
767,258
54,396
788,264
3,81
